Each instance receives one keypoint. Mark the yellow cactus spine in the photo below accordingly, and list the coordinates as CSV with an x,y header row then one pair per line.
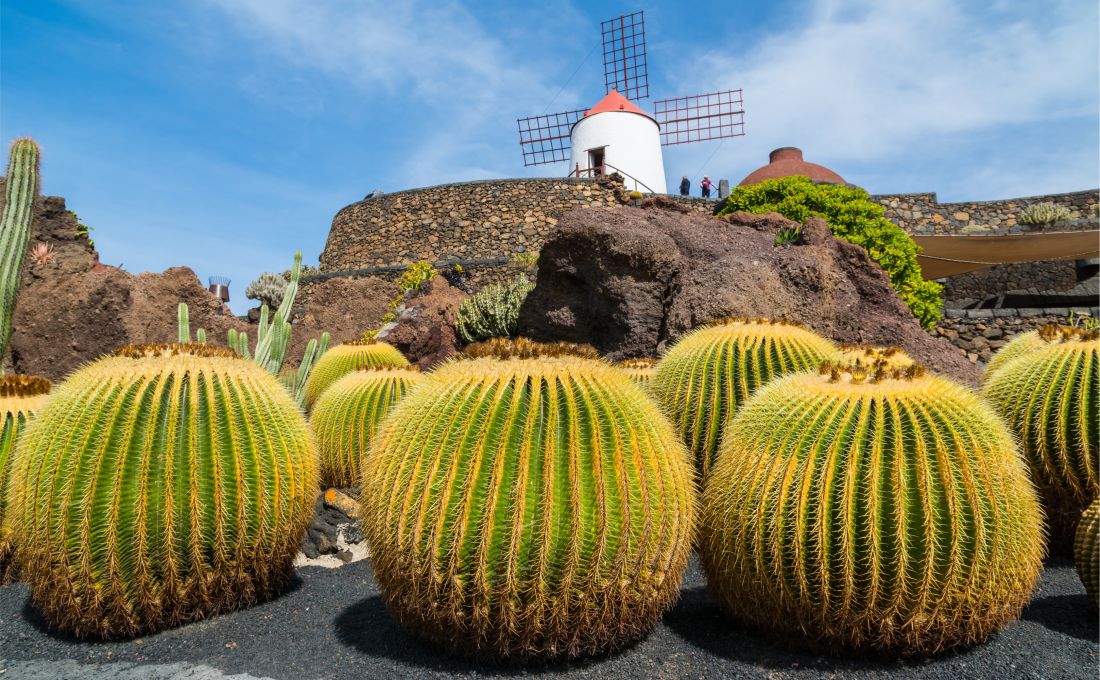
x,y
711,371
346,416
20,397
639,370
161,485
528,508
346,357
1018,346
887,512
1086,552
870,356
1050,397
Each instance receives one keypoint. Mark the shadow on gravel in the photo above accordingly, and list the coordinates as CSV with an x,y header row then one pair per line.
x,y
1066,614
32,617
368,628
698,620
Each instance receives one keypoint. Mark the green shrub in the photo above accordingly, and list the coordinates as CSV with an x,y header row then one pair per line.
x,y
1043,213
494,312
854,218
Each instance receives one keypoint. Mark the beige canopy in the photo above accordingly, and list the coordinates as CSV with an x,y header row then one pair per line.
x,y
952,255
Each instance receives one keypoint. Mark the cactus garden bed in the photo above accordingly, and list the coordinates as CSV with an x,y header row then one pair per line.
x,y
333,625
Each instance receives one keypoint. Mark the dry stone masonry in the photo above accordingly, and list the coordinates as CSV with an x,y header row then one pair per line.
x,y
922,214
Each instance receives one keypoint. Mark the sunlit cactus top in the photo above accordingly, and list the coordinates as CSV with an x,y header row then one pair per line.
x,y
523,348
346,357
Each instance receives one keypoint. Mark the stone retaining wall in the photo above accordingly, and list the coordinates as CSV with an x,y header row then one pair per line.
x,y
978,333
1058,275
922,214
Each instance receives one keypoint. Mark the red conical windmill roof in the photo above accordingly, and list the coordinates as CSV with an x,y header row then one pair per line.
x,y
615,102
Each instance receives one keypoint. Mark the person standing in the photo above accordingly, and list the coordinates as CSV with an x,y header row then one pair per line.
x,y
706,184
685,186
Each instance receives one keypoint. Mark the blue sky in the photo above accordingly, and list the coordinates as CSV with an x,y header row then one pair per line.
x,y
224,134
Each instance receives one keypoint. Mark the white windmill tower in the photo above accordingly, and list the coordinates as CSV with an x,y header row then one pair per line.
x,y
617,136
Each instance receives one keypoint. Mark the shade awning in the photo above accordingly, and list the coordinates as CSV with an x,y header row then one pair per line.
x,y
952,255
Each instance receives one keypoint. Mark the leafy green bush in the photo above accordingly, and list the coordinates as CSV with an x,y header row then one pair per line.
x,y
852,216
494,312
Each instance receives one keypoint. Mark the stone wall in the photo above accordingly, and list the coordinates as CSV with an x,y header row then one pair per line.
x,y
922,214
1057,275
469,221
978,333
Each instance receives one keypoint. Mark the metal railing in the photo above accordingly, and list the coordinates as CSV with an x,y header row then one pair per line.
x,y
601,171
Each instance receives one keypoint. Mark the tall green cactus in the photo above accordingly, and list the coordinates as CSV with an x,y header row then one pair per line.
x,y
705,376
347,357
887,512
528,508
20,192
20,397
1086,552
1050,397
161,485
347,415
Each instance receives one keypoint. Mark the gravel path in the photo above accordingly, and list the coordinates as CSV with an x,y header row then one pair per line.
x,y
333,625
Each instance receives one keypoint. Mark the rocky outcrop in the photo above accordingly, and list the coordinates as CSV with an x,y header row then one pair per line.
x,y
632,281
425,329
344,307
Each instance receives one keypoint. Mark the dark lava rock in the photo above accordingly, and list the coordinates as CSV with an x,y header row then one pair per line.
x,y
632,281
425,333
329,519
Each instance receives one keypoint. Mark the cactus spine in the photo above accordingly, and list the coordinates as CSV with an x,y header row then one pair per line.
x,y
346,416
1086,552
161,485
639,370
347,357
1018,346
528,508
888,513
20,397
1050,396
710,372
20,192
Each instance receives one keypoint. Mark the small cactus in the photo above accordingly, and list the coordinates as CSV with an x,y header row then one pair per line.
x,y
347,415
268,289
705,376
528,508
1086,552
493,312
1050,397
20,397
885,512
161,485
346,357
1043,213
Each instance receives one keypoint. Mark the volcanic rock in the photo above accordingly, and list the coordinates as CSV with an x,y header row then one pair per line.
x,y
344,307
631,282
425,331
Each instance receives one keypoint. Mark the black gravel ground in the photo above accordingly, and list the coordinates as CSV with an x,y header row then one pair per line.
x,y
333,625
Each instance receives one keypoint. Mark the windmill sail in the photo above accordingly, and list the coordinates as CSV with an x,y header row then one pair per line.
x,y
545,139
697,118
624,59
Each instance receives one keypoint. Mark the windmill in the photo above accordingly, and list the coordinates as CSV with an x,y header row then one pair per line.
x,y
616,135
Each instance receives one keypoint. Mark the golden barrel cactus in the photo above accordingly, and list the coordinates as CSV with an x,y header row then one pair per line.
x,y
346,357
20,397
1018,346
705,376
528,508
871,356
1086,552
639,370
1050,397
888,513
347,415
161,485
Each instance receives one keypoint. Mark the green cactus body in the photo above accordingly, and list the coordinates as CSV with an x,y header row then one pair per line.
x,y
1086,552
347,357
1018,346
710,372
639,370
158,486
528,508
888,514
1050,397
20,192
347,415
20,397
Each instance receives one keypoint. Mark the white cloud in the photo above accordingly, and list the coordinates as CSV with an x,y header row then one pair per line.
x,y
865,80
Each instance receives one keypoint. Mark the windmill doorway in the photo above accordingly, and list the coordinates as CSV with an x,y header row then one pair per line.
x,y
596,161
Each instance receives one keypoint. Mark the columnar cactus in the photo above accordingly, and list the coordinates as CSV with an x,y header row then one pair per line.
x,y
1050,397
161,485
528,508
20,192
710,372
20,397
639,370
888,513
347,415
1086,552
347,357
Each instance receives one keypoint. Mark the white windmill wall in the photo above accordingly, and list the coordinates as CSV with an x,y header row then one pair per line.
x,y
633,145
